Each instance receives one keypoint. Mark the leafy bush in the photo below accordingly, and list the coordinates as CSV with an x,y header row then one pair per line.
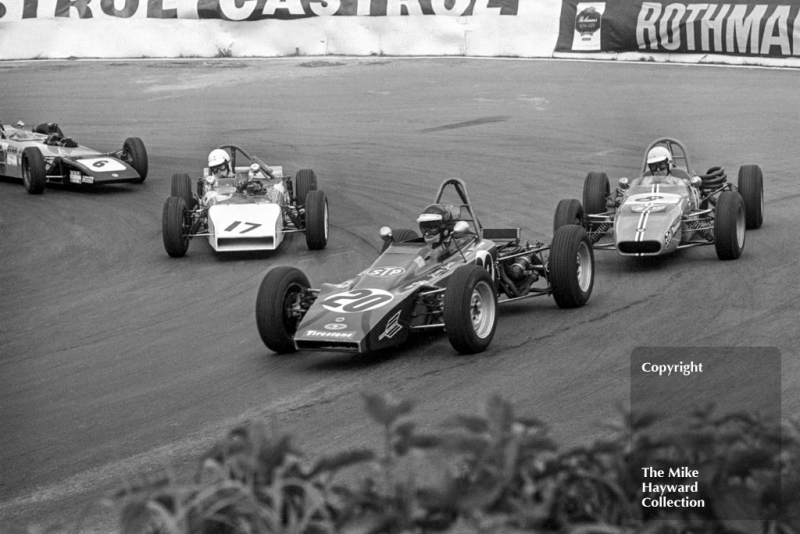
x,y
493,472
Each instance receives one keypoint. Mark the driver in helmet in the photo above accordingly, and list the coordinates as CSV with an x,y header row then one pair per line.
x,y
219,166
659,167
436,224
659,161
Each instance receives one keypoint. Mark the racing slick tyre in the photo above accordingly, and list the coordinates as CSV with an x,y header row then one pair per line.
x,y
34,175
304,181
568,211
571,266
135,155
316,220
595,194
176,242
278,293
470,309
729,225
182,187
399,236
751,187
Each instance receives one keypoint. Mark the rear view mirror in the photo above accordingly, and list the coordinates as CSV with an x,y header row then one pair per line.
x,y
460,228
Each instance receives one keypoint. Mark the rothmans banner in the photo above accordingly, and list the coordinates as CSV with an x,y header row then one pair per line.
x,y
239,10
734,27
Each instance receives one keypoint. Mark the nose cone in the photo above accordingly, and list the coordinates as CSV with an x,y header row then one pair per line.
x,y
645,224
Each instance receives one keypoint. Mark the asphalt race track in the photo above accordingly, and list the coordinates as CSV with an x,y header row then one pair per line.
x,y
117,360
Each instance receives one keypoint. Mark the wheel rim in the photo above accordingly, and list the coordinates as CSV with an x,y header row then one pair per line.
x,y
325,220
186,228
740,225
26,174
290,322
126,155
584,261
482,309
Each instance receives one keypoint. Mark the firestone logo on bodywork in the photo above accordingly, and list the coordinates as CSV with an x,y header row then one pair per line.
x,y
329,335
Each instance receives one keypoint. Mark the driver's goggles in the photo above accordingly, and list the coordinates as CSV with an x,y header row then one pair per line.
x,y
218,168
430,227
660,166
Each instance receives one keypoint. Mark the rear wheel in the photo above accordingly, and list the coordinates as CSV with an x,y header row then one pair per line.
x,y
33,171
173,227
729,225
568,211
304,181
316,220
182,187
135,154
751,187
277,321
595,194
470,309
399,236
571,267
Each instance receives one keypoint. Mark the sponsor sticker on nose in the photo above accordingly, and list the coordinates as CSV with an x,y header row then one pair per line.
x,y
386,271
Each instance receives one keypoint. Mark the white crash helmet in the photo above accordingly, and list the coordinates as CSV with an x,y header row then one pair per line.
x,y
218,158
659,154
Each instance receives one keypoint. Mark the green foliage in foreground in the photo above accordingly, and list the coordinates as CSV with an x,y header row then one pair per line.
x,y
494,472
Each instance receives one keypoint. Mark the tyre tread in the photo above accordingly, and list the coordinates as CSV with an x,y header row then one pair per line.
x,y
562,268
269,307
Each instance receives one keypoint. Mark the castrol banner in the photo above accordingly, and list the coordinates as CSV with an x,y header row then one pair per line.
x,y
733,28
56,29
239,10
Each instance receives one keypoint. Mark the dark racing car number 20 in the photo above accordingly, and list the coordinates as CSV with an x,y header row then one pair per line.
x,y
357,300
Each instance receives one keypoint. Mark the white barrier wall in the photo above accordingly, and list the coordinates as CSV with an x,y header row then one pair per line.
x,y
58,29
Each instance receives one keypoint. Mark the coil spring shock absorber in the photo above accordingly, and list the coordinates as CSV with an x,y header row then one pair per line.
x,y
197,224
293,215
601,230
698,227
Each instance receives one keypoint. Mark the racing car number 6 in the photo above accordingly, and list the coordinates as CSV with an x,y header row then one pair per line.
x,y
359,300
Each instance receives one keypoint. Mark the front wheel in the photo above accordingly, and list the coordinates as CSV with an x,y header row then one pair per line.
x,y
751,187
729,225
136,156
34,171
316,220
571,267
277,307
182,187
305,181
568,211
470,309
596,191
173,227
